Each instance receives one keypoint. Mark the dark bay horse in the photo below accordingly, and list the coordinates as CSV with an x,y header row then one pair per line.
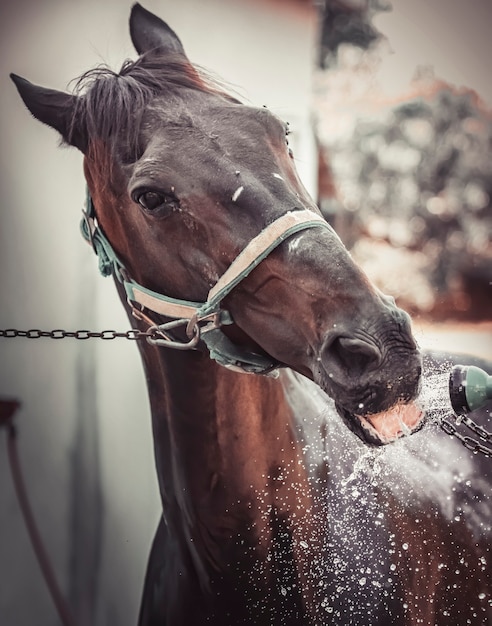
x,y
273,511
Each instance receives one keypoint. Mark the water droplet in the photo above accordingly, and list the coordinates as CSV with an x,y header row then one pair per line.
x,y
405,546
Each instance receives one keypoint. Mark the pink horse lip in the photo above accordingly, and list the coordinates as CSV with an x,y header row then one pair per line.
x,y
396,422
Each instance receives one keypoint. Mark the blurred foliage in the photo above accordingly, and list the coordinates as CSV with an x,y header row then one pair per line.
x,y
412,181
421,179
348,22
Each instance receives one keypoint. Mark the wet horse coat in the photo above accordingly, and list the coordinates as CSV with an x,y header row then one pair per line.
x,y
265,520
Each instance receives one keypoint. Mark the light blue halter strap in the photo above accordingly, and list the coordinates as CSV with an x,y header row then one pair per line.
x,y
220,347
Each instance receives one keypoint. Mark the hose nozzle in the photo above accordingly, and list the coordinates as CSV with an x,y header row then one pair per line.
x,y
469,388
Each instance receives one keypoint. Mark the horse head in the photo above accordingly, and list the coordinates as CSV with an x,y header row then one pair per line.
x,y
183,176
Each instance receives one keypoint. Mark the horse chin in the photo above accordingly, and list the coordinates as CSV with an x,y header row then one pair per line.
x,y
379,429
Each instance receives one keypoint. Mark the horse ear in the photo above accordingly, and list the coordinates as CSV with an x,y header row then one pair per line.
x,y
149,32
54,108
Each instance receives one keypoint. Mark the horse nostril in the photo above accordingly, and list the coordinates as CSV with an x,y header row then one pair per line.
x,y
355,355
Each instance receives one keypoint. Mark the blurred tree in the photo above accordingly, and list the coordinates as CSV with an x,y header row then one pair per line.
x,y
348,21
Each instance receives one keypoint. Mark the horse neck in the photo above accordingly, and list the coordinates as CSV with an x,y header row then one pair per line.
x,y
233,484
220,436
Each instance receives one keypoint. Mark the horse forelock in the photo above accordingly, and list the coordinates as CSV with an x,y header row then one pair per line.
x,y
111,104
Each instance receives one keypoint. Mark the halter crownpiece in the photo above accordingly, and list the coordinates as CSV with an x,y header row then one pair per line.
x,y
202,319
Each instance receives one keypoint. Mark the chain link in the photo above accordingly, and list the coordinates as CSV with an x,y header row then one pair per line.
x,y
470,444
107,335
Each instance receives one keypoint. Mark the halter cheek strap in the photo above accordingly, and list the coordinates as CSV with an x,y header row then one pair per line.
x,y
202,319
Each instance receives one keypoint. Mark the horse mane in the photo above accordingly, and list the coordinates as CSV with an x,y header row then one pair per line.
x,y
112,104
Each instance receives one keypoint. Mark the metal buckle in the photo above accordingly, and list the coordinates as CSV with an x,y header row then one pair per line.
x,y
139,314
212,321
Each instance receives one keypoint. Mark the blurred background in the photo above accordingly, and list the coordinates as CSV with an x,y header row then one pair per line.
x,y
389,105
405,133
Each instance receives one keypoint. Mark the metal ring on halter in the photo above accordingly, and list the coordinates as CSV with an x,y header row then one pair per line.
x,y
166,341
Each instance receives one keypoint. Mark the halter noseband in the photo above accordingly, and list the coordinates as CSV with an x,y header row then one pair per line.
x,y
202,319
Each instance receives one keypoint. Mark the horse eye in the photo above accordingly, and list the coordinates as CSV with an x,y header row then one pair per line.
x,y
150,200
155,202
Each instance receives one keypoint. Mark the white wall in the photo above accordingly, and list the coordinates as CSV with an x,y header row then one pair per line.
x,y
85,437
453,36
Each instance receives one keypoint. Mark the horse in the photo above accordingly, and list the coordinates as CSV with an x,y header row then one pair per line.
x,y
282,383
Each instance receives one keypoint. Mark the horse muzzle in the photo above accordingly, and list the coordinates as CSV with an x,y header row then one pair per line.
x,y
374,383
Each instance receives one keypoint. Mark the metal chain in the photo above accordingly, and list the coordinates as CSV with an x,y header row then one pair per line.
x,y
471,444
106,335
477,429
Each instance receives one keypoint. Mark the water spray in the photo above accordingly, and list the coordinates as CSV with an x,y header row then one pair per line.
x,y
470,388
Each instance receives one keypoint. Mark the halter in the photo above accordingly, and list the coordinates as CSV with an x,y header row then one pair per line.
x,y
202,320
